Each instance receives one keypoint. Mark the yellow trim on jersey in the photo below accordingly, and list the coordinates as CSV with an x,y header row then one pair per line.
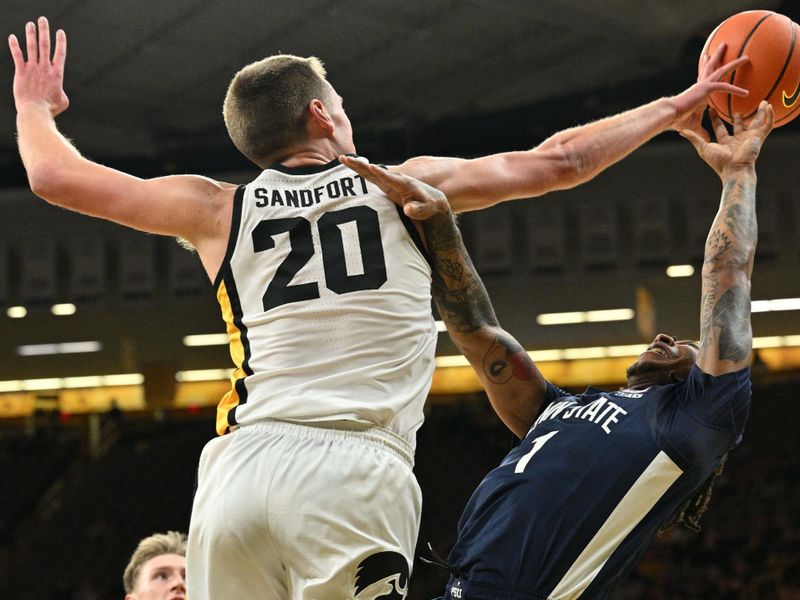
x,y
231,399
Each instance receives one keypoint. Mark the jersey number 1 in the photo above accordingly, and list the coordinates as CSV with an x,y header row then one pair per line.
x,y
333,259
537,445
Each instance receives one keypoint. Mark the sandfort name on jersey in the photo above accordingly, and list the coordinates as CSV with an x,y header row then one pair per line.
x,y
344,187
602,412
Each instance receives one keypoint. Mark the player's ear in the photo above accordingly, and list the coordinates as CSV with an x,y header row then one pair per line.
x,y
319,115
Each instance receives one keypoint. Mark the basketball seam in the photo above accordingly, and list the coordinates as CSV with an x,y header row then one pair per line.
x,y
741,52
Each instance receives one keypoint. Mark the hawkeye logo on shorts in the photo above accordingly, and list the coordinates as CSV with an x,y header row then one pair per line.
x,y
382,576
790,100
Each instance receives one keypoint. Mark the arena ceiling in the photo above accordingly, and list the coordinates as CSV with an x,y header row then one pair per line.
x,y
146,78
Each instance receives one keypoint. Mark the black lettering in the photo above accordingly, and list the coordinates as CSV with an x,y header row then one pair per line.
x,y
363,184
305,198
291,198
318,194
276,198
333,189
347,186
263,197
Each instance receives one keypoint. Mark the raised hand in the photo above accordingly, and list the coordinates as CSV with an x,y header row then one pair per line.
x,y
733,150
691,103
39,79
417,199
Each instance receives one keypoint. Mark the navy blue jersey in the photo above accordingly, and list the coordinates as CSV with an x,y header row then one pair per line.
x,y
571,508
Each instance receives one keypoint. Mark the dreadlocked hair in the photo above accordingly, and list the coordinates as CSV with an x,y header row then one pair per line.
x,y
690,513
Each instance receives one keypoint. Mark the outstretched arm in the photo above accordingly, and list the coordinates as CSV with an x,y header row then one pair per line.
x,y
725,334
513,383
570,157
188,206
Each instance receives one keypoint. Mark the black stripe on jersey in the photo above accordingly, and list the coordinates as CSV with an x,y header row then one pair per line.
x,y
414,233
236,309
304,169
236,220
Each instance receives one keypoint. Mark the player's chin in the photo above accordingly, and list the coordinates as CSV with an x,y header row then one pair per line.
x,y
650,367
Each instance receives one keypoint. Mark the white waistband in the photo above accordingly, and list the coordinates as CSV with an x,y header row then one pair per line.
x,y
337,430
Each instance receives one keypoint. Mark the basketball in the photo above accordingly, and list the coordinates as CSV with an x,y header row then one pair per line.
x,y
772,43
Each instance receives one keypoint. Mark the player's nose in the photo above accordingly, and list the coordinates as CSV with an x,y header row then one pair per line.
x,y
665,339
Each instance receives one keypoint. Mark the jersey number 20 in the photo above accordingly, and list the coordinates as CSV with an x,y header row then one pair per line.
x,y
332,246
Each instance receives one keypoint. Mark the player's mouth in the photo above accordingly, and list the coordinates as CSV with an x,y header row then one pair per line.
x,y
661,349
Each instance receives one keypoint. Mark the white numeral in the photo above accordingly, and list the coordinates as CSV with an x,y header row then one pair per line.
x,y
537,445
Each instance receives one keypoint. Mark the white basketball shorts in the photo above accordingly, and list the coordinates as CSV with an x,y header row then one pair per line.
x,y
303,512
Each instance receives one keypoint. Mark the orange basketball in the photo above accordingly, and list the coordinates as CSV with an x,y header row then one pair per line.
x,y
772,42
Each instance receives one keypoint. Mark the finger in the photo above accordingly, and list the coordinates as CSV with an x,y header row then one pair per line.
x,y
60,55
358,164
16,52
44,40
729,66
738,123
769,116
30,42
368,171
728,88
697,140
720,131
759,117
715,58
695,137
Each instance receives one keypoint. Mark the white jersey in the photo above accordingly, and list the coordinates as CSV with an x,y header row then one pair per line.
x,y
325,290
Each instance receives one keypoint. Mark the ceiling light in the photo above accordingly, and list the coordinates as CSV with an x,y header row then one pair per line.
x,y
586,316
203,375
207,339
16,312
775,305
680,271
62,310
64,348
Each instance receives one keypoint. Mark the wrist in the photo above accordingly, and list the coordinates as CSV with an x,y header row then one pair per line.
x,y
34,108
738,171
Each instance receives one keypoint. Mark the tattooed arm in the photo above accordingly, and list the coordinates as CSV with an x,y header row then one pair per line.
x,y
514,385
725,332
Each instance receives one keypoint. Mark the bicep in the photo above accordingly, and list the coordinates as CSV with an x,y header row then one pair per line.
x,y
178,205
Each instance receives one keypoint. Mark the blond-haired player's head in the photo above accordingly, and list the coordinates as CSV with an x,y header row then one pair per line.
x,y
270,104
157,568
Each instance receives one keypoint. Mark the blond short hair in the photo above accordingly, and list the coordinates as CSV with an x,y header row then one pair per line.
x,y
172,542
265,107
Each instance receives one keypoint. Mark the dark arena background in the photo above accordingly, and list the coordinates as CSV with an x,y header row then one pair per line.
x,y
111,358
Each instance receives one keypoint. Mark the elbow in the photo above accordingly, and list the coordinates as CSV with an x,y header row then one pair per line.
x,y
46,182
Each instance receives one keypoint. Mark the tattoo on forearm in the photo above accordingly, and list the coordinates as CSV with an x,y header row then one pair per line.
x,y
505,359
447,267
729,325
730,249
717,244
457,289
